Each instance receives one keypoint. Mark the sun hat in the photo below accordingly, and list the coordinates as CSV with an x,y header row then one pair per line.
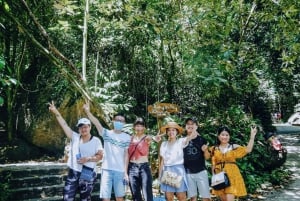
x,y
83,121
171,124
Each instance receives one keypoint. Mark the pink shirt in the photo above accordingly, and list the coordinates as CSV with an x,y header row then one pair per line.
x,y
142,149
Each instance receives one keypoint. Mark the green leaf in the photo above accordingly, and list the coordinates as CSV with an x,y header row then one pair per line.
x,y
1,101
13,81
2,63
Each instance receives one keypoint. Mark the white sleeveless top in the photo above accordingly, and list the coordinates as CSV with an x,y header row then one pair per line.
x,y
172,154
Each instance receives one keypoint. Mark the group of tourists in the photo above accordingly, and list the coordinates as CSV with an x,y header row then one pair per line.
x,y
125,159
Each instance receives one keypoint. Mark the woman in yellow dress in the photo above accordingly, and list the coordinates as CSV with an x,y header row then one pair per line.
x,y
224,157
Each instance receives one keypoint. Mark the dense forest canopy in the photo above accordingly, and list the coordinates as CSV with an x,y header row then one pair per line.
x,y
202,55
225,62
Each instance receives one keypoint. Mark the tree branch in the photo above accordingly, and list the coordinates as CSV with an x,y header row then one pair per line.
x,y
248,19
51,47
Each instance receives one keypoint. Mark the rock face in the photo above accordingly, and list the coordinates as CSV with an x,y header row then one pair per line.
x,y
44,132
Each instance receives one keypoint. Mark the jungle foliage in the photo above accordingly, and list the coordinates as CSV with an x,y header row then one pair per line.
x,y
225,62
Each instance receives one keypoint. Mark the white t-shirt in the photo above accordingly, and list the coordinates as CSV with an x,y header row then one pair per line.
x,y
87,149
172,154
115,147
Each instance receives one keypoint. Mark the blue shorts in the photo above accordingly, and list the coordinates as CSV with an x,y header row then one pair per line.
x,y
109,179
198,181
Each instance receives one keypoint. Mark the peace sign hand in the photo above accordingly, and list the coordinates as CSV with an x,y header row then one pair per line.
x,y
86,106
157,138
52,108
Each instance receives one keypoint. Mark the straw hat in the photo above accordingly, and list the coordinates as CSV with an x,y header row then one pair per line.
x,y
171,124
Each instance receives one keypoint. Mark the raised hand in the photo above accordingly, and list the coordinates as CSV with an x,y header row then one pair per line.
x,y
86,106
157,138
52,108
253,131
204,147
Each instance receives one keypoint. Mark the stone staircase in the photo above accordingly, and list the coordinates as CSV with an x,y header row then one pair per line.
x,y
37,181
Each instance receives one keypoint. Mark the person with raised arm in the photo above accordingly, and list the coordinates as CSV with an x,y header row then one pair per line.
x,y
195,154
139,171
172,162
86,151
224,155
115,159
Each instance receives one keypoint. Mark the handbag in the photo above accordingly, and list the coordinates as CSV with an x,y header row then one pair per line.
x,y
87,173
171,179
220,181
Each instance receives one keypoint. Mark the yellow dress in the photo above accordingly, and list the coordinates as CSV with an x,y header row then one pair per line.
x,y
237,186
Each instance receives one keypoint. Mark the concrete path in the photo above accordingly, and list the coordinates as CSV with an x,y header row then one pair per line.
x,y
290,192
283,128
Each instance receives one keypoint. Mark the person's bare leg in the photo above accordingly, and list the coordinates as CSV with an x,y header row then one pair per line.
x,y
193,198
223,198
169,196
229,197
181,196
119,198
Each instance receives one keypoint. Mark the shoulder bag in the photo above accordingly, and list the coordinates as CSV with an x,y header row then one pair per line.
x,y
87,173
171,179
219,180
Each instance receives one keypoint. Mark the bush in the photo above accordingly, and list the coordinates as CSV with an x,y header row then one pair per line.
x,y
253,166
5,191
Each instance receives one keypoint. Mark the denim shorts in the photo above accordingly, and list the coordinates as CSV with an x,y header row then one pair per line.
x,y
112,179
198,181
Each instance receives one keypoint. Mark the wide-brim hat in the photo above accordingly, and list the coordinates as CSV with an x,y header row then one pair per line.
x,y
171,124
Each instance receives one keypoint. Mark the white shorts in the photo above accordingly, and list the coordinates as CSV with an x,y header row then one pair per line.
x,y
198,181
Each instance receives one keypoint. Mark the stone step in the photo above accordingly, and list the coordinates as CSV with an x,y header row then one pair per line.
x,y
36,192
32,169
43,181
46,180
38,180
43,191
95,197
